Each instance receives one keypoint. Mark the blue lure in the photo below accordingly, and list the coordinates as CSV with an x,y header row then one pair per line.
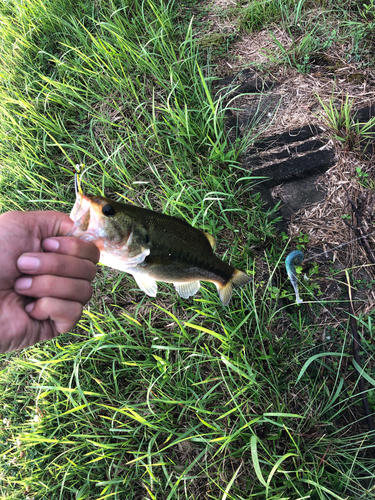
x,y
294,259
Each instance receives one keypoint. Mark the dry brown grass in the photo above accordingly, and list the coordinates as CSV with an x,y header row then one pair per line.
x,y
292,103
298,106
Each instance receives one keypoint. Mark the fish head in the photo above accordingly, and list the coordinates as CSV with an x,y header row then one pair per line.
x,y
100,220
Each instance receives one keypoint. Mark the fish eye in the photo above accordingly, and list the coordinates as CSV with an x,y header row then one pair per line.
x,y
108,210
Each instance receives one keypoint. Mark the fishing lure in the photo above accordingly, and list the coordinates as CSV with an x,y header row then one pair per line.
x,y
77,180
294,259
78,190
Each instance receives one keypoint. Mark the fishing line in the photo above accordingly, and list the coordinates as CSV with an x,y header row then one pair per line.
x,y
360,374
338,246
329,312
359,381
78,191
299,281
77,181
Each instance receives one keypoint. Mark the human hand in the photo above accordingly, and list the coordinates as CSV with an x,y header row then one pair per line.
x,y
44,277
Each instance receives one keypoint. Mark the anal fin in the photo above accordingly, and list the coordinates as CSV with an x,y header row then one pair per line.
x,y
186,290
146,284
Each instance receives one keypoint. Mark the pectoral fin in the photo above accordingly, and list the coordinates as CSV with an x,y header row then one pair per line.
x,y
125,262
186,290
146,284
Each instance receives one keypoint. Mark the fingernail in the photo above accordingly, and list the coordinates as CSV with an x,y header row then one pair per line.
x,y
29,307
51,245
26,263
23,283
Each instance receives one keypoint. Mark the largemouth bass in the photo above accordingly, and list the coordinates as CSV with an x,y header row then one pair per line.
x,y
153,247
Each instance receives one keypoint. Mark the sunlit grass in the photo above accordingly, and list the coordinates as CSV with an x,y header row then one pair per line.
x,y
160,398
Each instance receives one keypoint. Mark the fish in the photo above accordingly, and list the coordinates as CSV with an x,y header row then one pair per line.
x,y
294,259
152,246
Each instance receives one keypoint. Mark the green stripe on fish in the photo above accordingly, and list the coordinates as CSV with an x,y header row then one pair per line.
x,y
153,247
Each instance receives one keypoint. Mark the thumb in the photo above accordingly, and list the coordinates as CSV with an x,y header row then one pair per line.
x,y
49,223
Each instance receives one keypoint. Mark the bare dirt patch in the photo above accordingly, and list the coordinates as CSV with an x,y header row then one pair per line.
x,y
293,102
297,91
292,98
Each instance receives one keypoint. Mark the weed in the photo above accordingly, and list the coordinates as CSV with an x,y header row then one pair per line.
x,y
364,179
367,11
339,120
302,50
260,13
353,135
302,239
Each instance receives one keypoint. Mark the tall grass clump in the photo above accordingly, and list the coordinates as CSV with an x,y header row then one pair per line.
x,y
255,15
110,87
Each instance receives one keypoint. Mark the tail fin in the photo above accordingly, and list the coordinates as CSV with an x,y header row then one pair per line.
x,y
239,278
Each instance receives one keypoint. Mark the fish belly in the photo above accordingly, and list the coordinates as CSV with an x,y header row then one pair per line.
x,y
186,280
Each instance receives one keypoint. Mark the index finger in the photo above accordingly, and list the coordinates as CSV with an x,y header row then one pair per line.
x,y
70,245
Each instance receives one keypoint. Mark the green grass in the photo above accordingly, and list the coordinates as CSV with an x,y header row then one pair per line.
x,y
163,398
353,135
259,13
313,27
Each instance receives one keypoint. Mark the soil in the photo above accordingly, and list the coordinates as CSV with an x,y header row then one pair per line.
x,y
309,170
324,180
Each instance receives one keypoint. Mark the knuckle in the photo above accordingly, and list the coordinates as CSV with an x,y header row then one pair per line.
x,y
7,216
43,286
87,292
75,246
45,305
60,265
77,310
91,271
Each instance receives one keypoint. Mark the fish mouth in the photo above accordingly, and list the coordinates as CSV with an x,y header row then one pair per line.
x,y
88,222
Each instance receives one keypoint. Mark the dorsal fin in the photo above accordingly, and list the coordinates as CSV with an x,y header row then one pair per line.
x,y
210,238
